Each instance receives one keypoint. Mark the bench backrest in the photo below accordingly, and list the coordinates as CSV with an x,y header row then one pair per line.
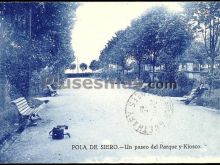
x,y
22,106
50,88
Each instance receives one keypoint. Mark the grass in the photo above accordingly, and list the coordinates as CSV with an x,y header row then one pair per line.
x,y
210,100
8,118
166,92
10,121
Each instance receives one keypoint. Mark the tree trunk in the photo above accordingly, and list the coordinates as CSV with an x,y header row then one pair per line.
x,y
123,74
2,92
212,66
153,72
139,69
212,74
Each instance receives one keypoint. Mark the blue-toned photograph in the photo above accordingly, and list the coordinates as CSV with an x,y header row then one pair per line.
x,y
109,82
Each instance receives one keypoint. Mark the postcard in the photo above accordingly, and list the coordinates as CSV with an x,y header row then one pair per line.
x,y
109,82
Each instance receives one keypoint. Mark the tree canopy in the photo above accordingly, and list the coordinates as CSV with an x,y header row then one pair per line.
x,y
35,36
94,65
83,66
155,38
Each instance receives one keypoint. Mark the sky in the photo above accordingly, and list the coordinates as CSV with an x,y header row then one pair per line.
x,y
97,22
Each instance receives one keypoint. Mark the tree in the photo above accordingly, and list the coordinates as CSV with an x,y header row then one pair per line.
x,y
204,18
155,38
176,39
35,37
94,65
73,66
122,51
135,44
196,52
83,66
162,34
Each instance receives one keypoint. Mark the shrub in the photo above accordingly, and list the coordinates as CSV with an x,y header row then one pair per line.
x,y
161,76
182,79
146,77
212,100
164,92
131,75
184,83
216,83
184,86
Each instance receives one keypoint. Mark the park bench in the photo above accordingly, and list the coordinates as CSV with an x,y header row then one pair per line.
x,y
26,111
52,91
195,94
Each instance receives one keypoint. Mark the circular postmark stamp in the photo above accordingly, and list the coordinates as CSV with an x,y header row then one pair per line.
x,y
147,113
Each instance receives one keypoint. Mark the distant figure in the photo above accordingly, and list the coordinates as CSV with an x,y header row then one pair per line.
x,y
50,91
196,93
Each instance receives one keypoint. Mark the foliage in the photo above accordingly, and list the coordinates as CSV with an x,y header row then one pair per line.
x,y
216,84
94,65
73,66
210,100
182,80
146,77
83,66
204,18
35,37
154,39
184,83
196,52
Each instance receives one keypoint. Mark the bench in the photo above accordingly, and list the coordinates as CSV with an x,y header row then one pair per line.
x,y
52,91
194,94
25,111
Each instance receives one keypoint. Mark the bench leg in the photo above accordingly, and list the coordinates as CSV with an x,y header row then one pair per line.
x,y
32,122
35,117
39,118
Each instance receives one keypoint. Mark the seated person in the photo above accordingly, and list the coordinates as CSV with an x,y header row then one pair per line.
x,y
50,91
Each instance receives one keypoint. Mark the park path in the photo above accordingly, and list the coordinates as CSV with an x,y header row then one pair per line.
x,y
97,117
